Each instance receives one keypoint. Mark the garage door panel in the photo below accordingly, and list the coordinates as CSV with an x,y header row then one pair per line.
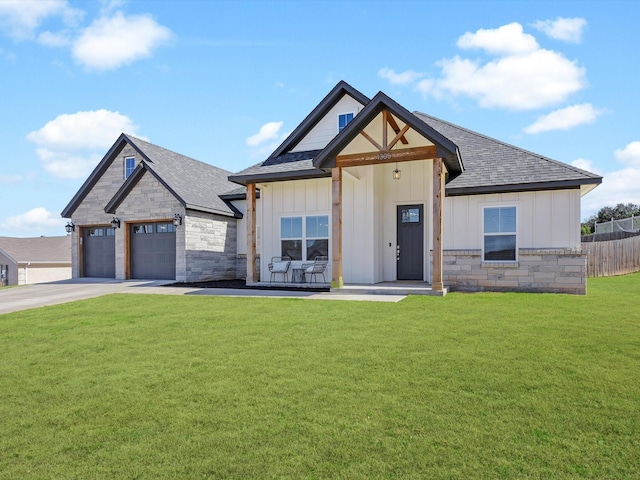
x,y
99,252
153,251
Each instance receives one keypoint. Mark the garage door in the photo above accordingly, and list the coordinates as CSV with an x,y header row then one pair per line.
x,y
99,252
153,251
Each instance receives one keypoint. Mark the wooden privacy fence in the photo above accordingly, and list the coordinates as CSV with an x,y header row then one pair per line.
x,y
615,257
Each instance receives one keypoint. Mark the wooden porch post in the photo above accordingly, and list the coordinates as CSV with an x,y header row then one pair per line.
x,y
438,204
336,227
250,215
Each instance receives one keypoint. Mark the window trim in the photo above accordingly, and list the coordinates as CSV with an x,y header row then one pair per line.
x,y
304,238
128,173
353,115
483,234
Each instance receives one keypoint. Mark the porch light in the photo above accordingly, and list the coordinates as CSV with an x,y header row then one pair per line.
x,y
69,227
177,220
115,223
396,173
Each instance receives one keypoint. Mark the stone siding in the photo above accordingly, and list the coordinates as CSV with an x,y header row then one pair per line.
x,y
210,247
537,270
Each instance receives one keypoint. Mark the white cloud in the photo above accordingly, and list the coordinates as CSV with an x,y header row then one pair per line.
x,y
268,131
620,186
35,220
518,82
565,29
565,118
505,40
22,18
111,42
16,178
71,145
585,164
402,78
629,155
268,138
50,39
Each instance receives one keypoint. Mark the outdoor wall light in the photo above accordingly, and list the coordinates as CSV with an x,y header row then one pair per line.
x,y
115,223
396,173
69,227
177,220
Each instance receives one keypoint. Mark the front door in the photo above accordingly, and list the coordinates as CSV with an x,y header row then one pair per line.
x,y
410,242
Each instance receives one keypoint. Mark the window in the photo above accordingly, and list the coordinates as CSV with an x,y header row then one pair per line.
x,y
146,228
111,232
165,228
410,215
129,166
95,232
343,120
500,234
304,238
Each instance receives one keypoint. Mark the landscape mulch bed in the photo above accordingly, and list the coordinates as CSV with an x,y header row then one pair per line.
x,y
240,284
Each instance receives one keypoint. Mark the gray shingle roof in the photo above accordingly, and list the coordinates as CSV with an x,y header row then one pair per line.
x,y
489,165
197,184
492,165
37,249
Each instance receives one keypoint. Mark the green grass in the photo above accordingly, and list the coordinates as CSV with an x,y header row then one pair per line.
x,y
461,387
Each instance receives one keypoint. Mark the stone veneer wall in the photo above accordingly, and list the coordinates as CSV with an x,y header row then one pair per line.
x,y
241,267
537,270
210,247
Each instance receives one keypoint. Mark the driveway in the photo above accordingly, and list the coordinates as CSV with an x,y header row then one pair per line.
x,y
44,294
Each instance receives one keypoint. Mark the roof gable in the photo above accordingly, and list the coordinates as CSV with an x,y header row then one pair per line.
x,y
195,184
317,114
444,147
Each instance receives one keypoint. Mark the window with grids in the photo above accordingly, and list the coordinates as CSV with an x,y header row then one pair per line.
x,y
129,166
343,120
500,234
304,238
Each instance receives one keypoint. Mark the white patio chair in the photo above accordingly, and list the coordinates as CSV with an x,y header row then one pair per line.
x,y
280,265
318,267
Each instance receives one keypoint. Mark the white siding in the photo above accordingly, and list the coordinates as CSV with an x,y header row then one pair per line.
x,y
327,128
546,219
292,198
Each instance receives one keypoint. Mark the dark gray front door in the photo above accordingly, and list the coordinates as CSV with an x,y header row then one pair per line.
x,y
153,251
99,252
410,242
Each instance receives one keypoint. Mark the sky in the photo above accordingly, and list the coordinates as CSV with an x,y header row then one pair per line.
x,y
224,82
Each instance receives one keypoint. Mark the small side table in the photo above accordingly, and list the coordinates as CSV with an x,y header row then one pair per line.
x,y
297,275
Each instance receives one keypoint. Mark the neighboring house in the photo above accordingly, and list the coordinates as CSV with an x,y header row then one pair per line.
x,y
34,260
390,195
149,213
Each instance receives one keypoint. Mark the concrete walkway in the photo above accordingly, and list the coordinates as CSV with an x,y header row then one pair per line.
x,y
40,295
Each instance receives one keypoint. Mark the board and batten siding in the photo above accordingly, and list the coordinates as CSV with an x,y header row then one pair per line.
x,y
545,219
327,128
288,199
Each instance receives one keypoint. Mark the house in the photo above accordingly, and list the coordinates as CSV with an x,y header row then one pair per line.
x,y
149,213
25,261
389,195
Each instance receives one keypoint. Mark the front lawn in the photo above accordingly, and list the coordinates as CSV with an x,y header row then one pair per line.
x,y
467,386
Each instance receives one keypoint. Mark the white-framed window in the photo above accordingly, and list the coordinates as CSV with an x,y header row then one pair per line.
x,y
129,166
304,238
500,234
343,120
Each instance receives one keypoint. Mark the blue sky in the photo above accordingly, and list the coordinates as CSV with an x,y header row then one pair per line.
x,y
224,82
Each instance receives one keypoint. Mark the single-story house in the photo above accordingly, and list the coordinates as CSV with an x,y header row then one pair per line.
x,y
25,261
389,195
149,213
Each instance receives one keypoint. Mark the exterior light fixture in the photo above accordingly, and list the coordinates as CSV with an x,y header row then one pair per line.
x,y
115,223
177,220
69,227
396,173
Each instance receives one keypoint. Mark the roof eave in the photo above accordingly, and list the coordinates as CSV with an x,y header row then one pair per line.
x,y
521,187
279,176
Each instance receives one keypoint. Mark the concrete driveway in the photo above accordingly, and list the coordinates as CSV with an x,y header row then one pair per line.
x,y
44,294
